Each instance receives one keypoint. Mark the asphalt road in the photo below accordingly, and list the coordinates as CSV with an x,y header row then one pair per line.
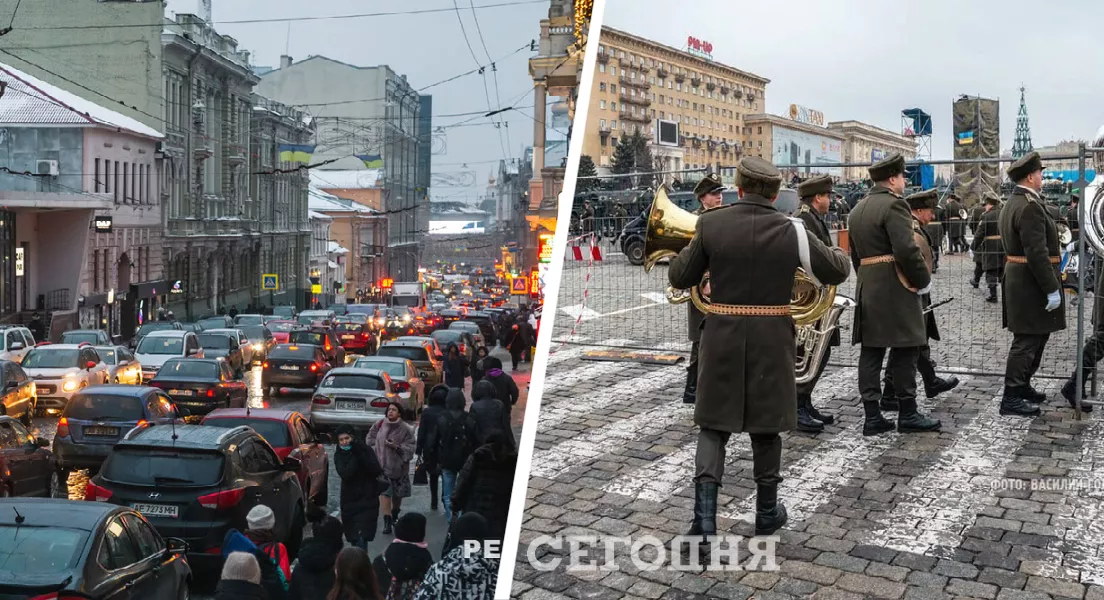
x,y
436,527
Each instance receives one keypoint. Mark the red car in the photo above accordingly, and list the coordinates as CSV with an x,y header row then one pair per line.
x,y
289,434
356,337
281,329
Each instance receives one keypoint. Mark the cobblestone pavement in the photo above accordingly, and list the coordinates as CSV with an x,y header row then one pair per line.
x,y
991,507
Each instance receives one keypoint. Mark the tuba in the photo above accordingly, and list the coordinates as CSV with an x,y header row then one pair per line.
x,y
815,309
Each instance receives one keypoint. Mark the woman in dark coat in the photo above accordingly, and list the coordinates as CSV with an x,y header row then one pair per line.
x,y
506,389
479,366
435,407
517,344
358,467
456,367
403,564
485,483
314,577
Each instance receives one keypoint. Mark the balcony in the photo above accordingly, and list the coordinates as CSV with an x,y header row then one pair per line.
x,y
662,72
625,62
711,85
636,83
236,155
603,57
202,148
604,130
725,90
695,80
680,77
738,94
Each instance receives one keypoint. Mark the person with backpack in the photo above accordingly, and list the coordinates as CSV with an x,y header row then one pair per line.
x,y
241,578
394,443
262,521
454,439
485,483
506,389
456,367
404,563
489,413
427,453
314,577
359,469
273,579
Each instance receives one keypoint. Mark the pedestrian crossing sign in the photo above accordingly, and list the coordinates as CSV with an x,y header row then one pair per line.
x,y
519,285
270,281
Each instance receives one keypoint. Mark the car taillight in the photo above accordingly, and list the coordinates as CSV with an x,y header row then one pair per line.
x,y
141,423
222,500
379,403
95,493
210,392
63,427
320,400
314,368
365,336
463,348
402,386
58,596
264,365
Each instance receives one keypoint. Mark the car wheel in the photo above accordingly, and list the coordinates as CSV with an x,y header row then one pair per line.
x,y
57,489
295,538
634,251
183,590
28,415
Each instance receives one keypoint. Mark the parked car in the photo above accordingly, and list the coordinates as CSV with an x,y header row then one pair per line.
x,y
430,367
222,345
160,346
69,550
289,434
404,379
356,337
61,370
261,340
459,337
242,341
201,384
324,339
472,328
18,395
219,322
281,330
434,347
250,319
95,337
150,326
310,316
99,416
284,312
293,366
196,482
486,326
351,396
15,342
122,367
450,316
27,467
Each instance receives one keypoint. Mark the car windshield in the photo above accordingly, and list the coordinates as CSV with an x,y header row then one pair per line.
x,y
357,382
348,326
145,467
217,341
307,337
295,352
39,550
189,368
107,354
394,369
77,337
414,353
284,311
160,345
104,407
275,432
281,325
155,326
249,320
46,358
306,318
253,332
445,336
211,323
464,326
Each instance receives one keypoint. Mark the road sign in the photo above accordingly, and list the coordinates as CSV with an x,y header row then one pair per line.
x,y
316,288
270,281
520,286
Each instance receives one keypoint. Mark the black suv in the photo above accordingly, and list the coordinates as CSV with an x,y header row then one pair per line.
x,y
195,482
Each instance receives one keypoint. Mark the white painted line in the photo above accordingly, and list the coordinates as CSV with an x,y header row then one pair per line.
x,y
589,371
945,500
625,310
657,297
575,310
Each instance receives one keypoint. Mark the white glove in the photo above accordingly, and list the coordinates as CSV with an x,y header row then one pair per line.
x,y
926,290
1053,300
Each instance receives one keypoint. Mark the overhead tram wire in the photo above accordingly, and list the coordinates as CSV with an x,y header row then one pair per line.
x,y
494,73
482,70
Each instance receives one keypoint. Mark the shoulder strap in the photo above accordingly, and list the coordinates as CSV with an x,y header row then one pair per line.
x,y
803,248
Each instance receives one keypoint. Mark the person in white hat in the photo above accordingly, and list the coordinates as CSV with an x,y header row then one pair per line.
x,y
262,521
241,578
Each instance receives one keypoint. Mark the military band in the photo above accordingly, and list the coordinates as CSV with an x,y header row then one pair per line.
x,y
709,194
987,249
956,225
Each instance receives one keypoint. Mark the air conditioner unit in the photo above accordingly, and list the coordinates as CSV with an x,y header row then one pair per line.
x,y
46,167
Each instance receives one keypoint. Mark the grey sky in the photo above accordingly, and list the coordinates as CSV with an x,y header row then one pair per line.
x,y
425,47
869,59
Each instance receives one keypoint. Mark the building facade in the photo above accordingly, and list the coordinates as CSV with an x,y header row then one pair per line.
x,y
865,143
379,115
639,83
785,142
363,232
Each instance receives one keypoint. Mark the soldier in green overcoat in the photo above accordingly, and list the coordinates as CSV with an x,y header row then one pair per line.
x,y
709,193
987,248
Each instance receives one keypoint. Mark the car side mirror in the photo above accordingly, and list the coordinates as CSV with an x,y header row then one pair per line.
x,y
176,546
16,346
90,365
292,464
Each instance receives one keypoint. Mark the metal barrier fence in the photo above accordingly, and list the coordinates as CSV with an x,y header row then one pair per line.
x,y
613,302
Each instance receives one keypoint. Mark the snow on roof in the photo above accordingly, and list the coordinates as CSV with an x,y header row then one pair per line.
x,y
346,180
30,100
331,264
317,215
320,201
336,248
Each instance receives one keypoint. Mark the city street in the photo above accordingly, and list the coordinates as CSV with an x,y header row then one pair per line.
x,y
991,507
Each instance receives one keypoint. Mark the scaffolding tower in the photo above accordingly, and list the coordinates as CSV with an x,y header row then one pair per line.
x,y
916,125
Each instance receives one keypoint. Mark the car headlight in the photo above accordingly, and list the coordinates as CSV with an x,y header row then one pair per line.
x,y
70,385
257,346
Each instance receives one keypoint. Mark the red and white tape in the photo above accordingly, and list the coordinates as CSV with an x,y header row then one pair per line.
x,y
593,255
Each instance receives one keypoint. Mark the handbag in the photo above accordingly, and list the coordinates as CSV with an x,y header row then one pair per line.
x,y
421,473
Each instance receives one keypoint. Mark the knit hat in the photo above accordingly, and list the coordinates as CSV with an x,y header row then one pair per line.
x,y
411,527
483,389
261,518
329,529
470,526
242,566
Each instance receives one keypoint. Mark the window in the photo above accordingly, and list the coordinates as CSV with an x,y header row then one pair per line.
x,y
117,550
760,132
613,124
306,436
613,71
602,104
98,184
613,106
107,177
149,543
128,189
602,123
613,88
602,86
601,68
115,175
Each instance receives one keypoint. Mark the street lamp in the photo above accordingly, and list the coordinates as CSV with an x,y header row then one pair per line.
x,y
110,312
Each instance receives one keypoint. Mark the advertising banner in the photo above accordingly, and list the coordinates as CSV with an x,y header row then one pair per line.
x,y
877,154
793,147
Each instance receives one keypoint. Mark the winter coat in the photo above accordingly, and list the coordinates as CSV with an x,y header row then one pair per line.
x,y
314,577
1027,230
506,388
395,460
987,241
484,486
358,468
456,369
478,367
401,565
430,416
455,577
273,580
232,589
489,413
455,436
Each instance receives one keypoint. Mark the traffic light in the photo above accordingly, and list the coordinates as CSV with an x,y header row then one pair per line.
x,y
315,280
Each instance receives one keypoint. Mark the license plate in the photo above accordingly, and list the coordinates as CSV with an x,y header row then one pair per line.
x,y
289,367
181,392
113,431
157,510
45,389
347,337
350,406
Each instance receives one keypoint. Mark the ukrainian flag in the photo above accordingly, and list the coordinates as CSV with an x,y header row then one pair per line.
x,y
372,161
296,153
966,137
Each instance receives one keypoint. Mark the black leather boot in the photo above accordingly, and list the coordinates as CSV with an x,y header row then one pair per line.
x,y
819,416
387,524
1032,395
1069,392
770,514
889,401
940,385
690,393
805,421
1014,404
705,515
875,423
992,297
975,283
909,420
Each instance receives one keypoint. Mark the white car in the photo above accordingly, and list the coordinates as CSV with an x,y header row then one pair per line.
x,y
122,367
160,346
241,340
350,396
61,370
15,342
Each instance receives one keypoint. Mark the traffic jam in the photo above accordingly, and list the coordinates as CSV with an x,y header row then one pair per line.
x,y
176,435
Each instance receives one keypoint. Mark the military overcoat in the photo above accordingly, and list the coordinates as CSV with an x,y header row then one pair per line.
x,y
1028,230
956,227
925,300
746,379
887,314
987,246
